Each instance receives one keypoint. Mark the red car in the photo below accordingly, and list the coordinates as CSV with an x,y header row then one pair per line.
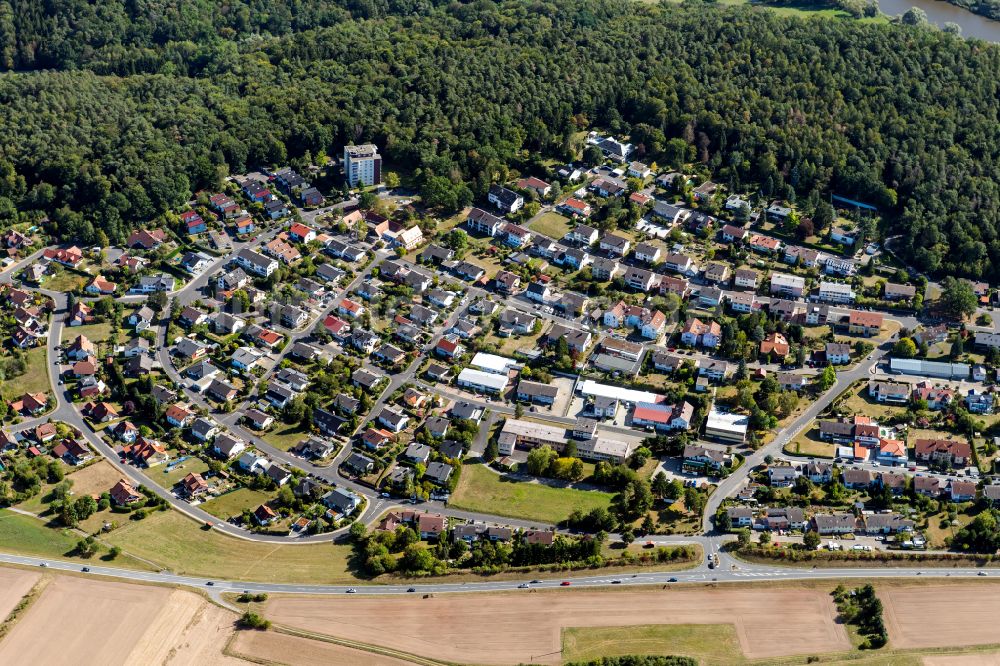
x,y
565,583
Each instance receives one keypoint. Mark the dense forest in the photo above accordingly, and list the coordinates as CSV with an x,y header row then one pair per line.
x,y
120,109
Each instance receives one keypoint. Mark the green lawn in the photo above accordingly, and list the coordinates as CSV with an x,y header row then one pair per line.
x,y
808,443
65,280
182,546
99,332
708,643
482,490
29,536
553,225
34,379
233,504
284,437
168,479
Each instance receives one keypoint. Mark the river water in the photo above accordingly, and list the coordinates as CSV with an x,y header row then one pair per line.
x,y
939,13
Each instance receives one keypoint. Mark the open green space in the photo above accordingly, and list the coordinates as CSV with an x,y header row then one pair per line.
x,y
65,280
98,332
550,224
855,400
512,344
30,536
808,443
168,477
34,379
708,643
180,545
234,503
483,490
283,436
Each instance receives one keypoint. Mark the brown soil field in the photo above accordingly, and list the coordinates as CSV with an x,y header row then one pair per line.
x,y
78,622
188,631
960,616
279,648
94,479
479,628
14,584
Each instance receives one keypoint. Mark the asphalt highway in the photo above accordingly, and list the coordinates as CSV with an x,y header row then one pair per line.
x,y
733,573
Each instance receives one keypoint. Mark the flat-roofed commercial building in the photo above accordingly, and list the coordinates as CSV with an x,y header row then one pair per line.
x,y
726,426
499,365
484,382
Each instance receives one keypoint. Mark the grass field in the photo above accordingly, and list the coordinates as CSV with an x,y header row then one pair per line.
x,y
96,333
233,504
168,479
29,536
284,436
708,643
808,443
34,379
180,545
480,489
91,480
65,280
550,224
510,345
855,400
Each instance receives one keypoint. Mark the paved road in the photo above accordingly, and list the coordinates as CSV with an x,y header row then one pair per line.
x,y
741,574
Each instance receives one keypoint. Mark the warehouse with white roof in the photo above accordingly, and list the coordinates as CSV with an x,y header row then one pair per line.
x,y
483,382
499,365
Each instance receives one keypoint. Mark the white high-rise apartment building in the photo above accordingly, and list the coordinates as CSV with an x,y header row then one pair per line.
x,y
362,165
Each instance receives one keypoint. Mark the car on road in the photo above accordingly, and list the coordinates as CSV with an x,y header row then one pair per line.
x,y
672,580
523,586
44,564
85,570
210,584
616,582
982,573
411,589
351,590
565,583
535,582
384,495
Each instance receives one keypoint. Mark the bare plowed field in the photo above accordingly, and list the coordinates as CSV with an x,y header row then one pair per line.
x,y
478,628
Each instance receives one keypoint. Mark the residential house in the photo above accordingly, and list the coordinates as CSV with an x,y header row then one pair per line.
x,y
506,200
837,353
695,332
480,221
745,278
864,323
788,285
947,451
898,292
615,246
536,185
836,292
576,207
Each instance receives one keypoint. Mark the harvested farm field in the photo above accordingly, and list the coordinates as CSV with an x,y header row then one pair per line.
x,y
962,616
477,628
14,584
274,647
79,622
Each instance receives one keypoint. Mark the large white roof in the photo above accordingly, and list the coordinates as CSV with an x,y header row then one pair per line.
x,y
485,379
500,365
590,387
